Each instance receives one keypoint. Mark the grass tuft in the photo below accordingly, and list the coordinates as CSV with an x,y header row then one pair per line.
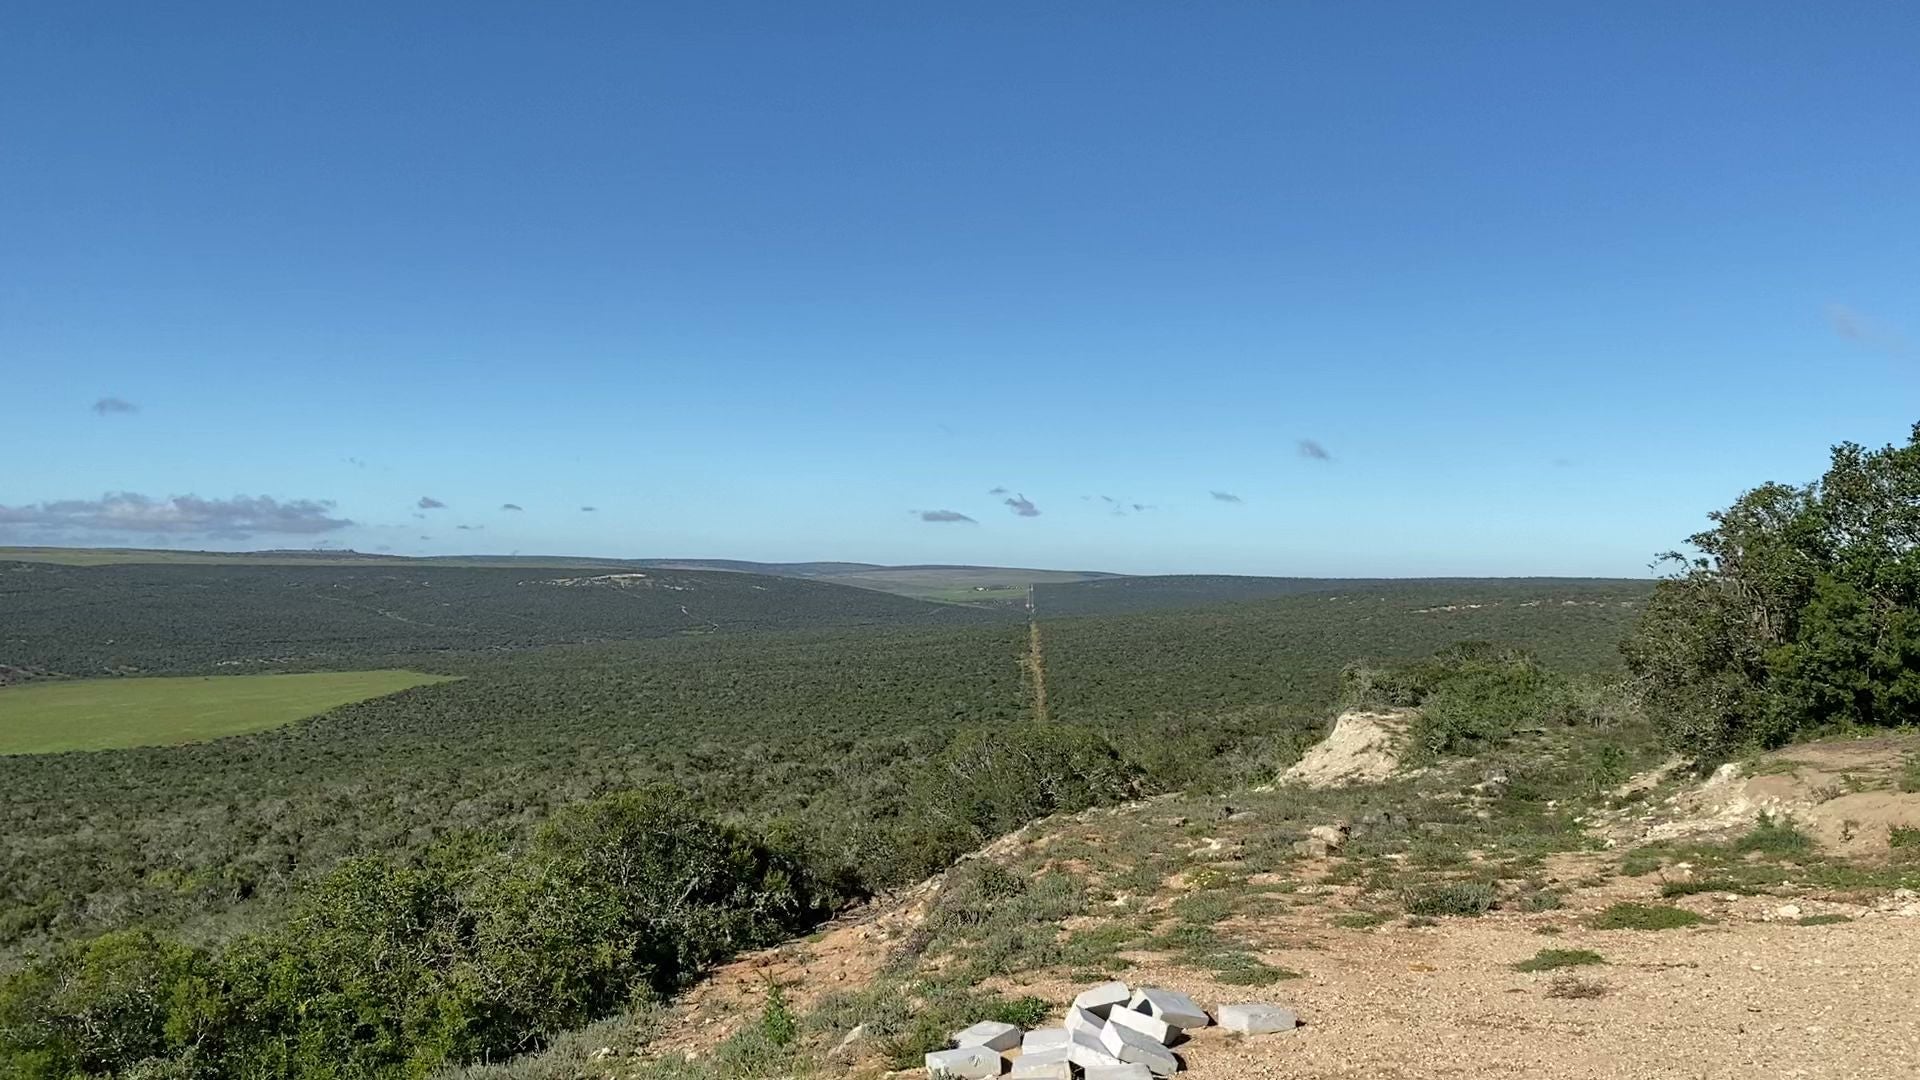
x,y
1630,916
1674,889
1469,899
1553,959
1566,985
1774,836
1820,920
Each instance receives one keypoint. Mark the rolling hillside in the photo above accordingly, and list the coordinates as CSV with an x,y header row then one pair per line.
x,y
177,618
1118,595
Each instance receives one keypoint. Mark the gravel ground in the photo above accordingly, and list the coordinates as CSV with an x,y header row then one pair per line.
x,y
1737,999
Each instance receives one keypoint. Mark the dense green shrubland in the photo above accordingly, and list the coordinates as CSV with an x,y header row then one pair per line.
x,y
1800,611
386,969
1475,696
174,619
407,881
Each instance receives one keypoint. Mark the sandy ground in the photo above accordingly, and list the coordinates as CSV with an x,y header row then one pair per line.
x,y
1752,994
1745,1000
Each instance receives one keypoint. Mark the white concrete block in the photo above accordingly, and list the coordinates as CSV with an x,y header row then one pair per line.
x,y
1051,1053
1044,1039
1124,1071
1042,1067
1087,1051
1172,1006
964,1063
1079,1019
991,1034
1099,1000
1256,1018
1130,1045
1151,1026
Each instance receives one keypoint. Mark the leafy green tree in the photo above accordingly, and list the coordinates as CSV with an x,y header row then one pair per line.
x,y
95,1007
1799,610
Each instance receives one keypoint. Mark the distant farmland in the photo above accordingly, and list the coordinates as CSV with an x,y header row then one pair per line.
x,y
106,714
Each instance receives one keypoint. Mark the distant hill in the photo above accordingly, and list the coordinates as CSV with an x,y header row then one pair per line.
x,y
953,584
1173,592
777,569
129,618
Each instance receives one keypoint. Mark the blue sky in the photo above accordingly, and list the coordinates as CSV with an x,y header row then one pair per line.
x,y
768,280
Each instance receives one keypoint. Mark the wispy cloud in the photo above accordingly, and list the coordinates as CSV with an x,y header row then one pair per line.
x,y
511,506
1022,507
178,515
428,502
1867,331
1311,449
943,516
109,406
1225,496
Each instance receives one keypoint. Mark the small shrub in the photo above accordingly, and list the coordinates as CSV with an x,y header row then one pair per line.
x,y
1629,916
1539,900
1902,836
1464,898
1552,959
777,1023
1241,969
1022,1012
1096,947
1909,778
1642,861
1774,836
1674,889
1203,909
1361,920
946,1010
1567,985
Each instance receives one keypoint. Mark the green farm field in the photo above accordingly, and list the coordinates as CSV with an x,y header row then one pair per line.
x,y
108,714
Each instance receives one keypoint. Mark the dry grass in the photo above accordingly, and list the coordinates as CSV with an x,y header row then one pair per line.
x,y
1566,985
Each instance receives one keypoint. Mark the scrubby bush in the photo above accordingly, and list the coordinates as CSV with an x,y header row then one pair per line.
x,y
1800,610
990,781
1631,916
386,969
1471,696
1553,959
1468,898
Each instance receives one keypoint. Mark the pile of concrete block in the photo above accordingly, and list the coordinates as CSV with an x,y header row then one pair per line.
x,y
1111,1032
